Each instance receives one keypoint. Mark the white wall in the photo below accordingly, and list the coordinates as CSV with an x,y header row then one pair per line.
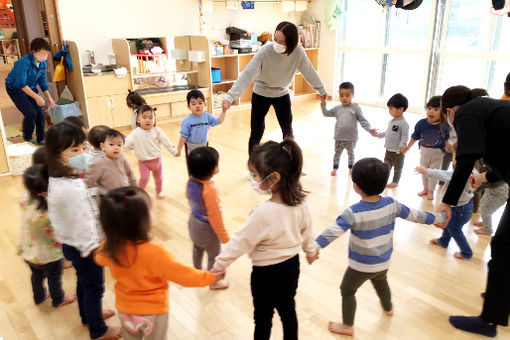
x,y
264,17
328,48
93,23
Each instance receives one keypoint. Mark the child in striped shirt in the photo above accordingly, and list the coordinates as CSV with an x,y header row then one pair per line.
x,y
372,222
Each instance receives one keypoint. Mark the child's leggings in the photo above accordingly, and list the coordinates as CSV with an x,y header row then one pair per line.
x,y
144,327
204,239
460,216
492,199
430,158
339,148
352,280
52,271
273,287
156,166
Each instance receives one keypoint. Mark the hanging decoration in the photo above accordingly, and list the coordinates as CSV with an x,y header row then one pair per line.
x,y
500,7
403,4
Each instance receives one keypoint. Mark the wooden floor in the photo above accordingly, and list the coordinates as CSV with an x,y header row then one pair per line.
x,y
428,284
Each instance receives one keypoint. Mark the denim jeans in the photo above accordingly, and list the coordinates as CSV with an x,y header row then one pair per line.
x,y
460,216
89,290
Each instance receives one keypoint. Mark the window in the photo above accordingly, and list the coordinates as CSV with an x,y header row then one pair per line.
x,y
387,51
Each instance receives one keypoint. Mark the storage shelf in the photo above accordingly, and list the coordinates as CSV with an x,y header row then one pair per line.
x,y
226,81
159,74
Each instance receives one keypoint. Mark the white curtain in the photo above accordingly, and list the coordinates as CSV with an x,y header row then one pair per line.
x,y
333,13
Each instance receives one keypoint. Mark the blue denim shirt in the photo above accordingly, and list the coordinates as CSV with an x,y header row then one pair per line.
x,y
25,72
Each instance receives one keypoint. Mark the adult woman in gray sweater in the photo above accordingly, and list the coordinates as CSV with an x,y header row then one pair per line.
x,y
272,69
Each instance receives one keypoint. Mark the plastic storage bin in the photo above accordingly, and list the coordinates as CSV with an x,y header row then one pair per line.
x,y
60,112
20,157
216,75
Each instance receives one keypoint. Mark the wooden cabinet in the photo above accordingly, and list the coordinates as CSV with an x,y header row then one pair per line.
x,y
99,111
106,100
233,65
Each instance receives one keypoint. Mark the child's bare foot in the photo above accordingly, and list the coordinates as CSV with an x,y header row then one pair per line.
x,y
430,195
458,255
67,264
67,300
160,196
108,313
389,312
340,328
392,185
424,192
481,232
478,224
434,241
111,333
333,172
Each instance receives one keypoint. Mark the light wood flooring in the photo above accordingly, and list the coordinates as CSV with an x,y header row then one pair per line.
x,y
428,284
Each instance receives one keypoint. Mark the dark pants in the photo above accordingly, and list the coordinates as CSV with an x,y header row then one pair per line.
x,y
259,107
89,290
34,116
52,271
496,305
395,160
352,280
275,287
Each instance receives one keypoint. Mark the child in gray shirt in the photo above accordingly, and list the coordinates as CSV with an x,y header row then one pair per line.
x,y
395,137
346,128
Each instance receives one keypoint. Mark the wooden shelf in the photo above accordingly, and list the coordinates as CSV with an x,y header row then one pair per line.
x,y
226,81
232,65
156,74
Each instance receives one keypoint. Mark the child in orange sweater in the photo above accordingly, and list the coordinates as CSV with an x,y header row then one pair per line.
x,y
141,290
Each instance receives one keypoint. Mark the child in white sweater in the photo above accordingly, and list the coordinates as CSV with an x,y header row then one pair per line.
x,y
273,234
146,140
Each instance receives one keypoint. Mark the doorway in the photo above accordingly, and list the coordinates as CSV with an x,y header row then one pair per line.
x,y
20,22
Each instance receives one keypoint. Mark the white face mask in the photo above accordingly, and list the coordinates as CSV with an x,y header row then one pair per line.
x,y
256,186
279,48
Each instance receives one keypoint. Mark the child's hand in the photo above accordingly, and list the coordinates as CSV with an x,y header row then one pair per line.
x,y
311,259
178,154
374,132
421,170
323,99
220,274
403,150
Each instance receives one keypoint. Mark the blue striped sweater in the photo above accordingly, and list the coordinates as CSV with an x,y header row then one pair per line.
x,y
372,225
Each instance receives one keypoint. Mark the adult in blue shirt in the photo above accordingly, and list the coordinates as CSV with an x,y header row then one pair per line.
x,y
28,72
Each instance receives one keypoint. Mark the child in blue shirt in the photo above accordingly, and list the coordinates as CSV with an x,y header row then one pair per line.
x,y
371,222
195,127
432,137
20,84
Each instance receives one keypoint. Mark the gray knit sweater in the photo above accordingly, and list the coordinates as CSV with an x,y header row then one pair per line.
x,y
273,73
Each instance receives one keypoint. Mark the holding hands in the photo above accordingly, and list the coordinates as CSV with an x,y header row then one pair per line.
x,y
421,170
220,274
311,259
